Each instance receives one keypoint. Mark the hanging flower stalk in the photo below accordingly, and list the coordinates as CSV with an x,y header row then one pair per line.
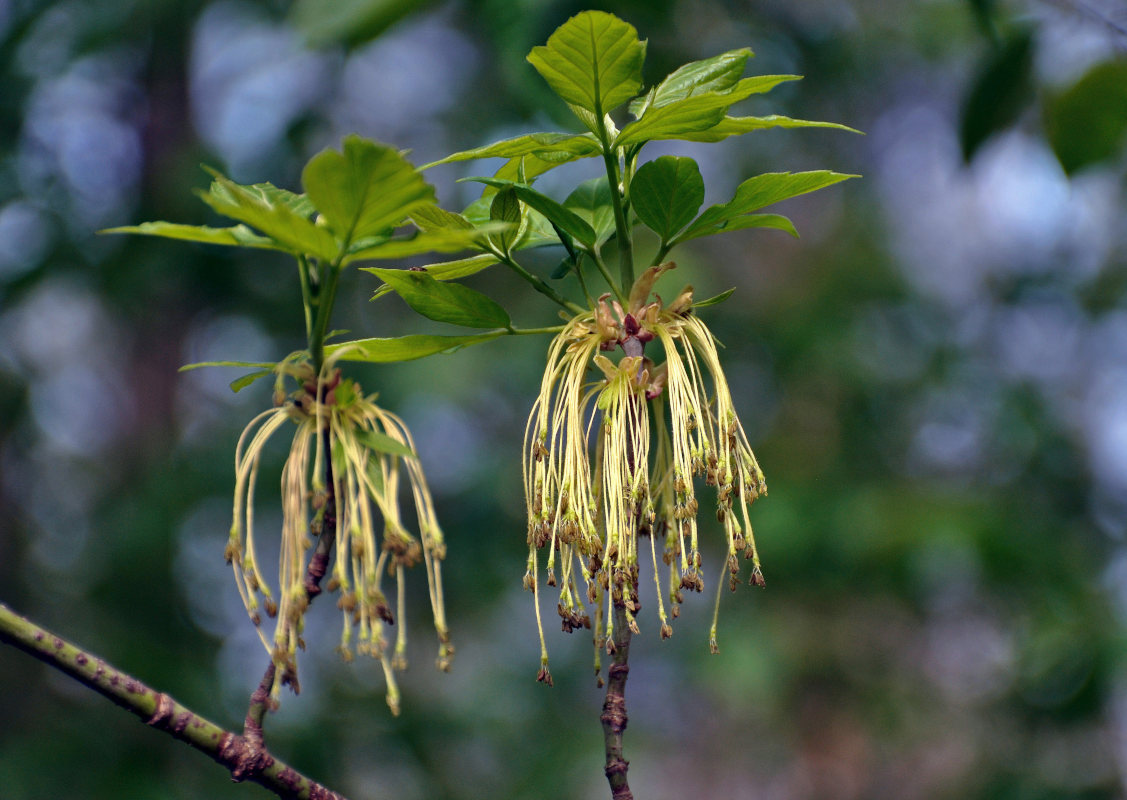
x,y
592,484
618,444
368,448
344,474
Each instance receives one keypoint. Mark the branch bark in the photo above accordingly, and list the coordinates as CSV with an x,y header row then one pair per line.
x,y
614,708
244,759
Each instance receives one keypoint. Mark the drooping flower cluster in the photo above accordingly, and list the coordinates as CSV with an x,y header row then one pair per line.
x,y
589,512
364,447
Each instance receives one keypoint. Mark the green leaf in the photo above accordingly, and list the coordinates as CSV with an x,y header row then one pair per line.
x,y
239,384
735,126
727,225
236,236
450,240
436,218
506,208
712,301
382,443
715,74
567,220
375,474
666,194
591,200
365,190
1087,123
405,348
1002,88
554,147
446,271
758,192
594,61
199,364
272,216
444,302
297,203
696,112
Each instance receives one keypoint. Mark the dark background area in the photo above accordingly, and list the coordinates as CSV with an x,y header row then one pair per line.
x,y
934,378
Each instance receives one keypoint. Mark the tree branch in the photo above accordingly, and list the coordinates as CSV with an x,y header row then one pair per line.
x,y
614,708
243,758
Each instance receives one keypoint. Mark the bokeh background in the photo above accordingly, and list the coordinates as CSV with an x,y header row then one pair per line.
x,y
934,378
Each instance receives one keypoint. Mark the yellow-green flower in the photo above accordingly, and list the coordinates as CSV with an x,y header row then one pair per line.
x,y
605,462
366,448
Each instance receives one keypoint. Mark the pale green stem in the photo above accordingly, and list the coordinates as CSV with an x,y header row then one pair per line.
x,y
538,283
622,230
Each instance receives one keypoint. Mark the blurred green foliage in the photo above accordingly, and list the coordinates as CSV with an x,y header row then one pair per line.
x,y
936,412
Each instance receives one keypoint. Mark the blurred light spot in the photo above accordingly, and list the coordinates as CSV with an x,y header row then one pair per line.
x,y
24,237
203,396
1040,341
47,45
82,127
393,85
205,580
65,344
79,409
60,321
448,441
250,80
950,433
1105,427
1011,212
969,656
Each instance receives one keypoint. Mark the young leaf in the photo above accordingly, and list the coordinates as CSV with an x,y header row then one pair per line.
x,y
696,112
729,224
757,192
447,270
735,126
666,194
236,236
197,365
297,203
591,200
239,384
566,220
594,61
505,208
435,218
450,240
444,302
382,443
720,298
559,147
405,348
272,217
364,190
715,74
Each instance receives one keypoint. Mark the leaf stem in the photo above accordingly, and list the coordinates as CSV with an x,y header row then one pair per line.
x,y
537,283
241,757
533,331
324,298
306,294
622,230
602,265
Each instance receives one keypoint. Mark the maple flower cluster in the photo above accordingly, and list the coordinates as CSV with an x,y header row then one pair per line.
x,y
367,448
589,513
